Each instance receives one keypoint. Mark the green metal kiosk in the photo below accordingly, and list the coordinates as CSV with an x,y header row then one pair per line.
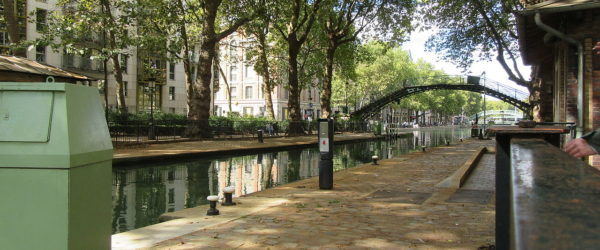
x,y
55,167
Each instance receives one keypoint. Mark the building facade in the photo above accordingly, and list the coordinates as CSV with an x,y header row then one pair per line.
x,y
241,88
556,39
168,93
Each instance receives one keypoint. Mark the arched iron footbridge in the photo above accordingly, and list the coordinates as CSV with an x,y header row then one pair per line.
x,y
501,91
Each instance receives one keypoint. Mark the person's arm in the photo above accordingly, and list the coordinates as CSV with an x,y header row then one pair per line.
x,y
588,144
593,139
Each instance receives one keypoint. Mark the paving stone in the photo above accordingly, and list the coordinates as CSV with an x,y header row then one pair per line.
x,y
354,222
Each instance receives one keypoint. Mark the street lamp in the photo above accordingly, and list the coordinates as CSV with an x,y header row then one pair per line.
x,y
346,97
151,87
484,107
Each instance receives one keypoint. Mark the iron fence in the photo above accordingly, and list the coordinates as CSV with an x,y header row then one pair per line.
x,y
144,131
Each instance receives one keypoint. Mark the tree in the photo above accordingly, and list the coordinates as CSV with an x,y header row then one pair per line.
x,y
295,19
12,9
86,29
344,20
486,28
217,19
260,28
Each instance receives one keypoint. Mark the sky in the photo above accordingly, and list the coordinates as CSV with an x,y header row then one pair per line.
x,y
493,70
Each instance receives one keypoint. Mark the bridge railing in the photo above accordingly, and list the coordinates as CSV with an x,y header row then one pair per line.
x,y
505,89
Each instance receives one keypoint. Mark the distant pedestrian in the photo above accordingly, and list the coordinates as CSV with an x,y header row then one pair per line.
x,y
270,129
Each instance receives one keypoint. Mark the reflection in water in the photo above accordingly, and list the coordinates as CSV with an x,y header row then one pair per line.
x,y
141,194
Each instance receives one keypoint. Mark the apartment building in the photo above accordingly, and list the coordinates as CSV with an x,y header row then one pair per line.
x,y
167,92
240,87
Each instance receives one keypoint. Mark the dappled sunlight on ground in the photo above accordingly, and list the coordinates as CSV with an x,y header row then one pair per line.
x,y
370,207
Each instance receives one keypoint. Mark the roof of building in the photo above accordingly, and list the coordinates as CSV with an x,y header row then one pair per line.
x,y
20,64
553,6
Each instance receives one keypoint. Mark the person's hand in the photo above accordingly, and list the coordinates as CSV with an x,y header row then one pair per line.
x,y
597,48
579,148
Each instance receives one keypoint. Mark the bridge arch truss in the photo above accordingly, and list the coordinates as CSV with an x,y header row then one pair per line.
x,y
374,107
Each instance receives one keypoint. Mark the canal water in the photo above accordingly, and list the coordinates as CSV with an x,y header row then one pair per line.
x,y
142,193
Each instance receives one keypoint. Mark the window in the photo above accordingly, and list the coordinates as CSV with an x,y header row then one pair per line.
x,y
171,110
171,195
125,83
233,73
233,49
285,114
248,92
286,93
233,92
4,38
247,71
248,111
40,19
124,59
172,71
171,93
40,54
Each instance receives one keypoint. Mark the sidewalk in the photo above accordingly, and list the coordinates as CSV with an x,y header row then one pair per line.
x,y
208,147
394,205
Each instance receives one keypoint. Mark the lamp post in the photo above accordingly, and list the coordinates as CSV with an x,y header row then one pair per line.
x,y
151,87
484,107
346,97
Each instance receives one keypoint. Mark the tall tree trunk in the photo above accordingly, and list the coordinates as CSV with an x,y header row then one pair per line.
x,y
199,104
228,90
295,127
326,88
267,84
12,26
115,59
119,79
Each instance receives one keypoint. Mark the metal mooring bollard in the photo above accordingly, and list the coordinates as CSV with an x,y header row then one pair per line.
x,y
213,205
260,135
228,192
375,158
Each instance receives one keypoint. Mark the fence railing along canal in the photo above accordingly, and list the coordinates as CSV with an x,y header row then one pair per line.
x,y
131,132
545,199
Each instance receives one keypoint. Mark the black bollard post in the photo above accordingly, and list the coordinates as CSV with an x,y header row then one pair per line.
x,y
326,149
260,136
228,193
213,205
375,158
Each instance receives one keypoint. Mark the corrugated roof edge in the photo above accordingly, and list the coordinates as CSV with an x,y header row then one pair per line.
x,y
555,6
20,64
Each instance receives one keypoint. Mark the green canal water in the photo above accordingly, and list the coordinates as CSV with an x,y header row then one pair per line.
x,y
140,194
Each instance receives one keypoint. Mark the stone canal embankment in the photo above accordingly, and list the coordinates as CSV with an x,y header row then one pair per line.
x,y
189,149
